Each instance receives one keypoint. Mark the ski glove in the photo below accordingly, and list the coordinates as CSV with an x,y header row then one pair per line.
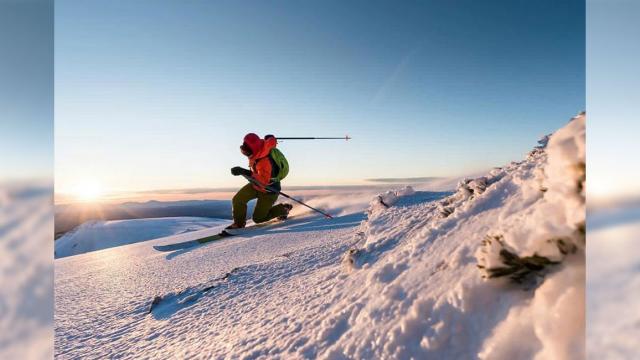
x,y
237,170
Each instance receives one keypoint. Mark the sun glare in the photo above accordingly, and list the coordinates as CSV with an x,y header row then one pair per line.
x,y
89,192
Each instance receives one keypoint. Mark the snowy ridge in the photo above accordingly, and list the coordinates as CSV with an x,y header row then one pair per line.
x,y
99,234
413,276
436,303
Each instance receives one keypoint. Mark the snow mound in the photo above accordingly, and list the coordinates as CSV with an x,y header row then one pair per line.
x,y
98,235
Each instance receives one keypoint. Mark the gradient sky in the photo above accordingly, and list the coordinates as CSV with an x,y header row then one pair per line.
x,y
158,94
26,90
612,78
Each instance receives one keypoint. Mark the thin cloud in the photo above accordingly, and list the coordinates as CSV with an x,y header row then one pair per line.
x,y
395,74
405,180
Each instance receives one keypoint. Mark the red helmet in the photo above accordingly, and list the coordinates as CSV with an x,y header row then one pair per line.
x,y
252,144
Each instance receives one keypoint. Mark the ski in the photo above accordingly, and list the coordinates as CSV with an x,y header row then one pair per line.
x,y
223,234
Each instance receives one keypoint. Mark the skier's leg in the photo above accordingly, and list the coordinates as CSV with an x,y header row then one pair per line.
x,y
279,211
264,210
240,200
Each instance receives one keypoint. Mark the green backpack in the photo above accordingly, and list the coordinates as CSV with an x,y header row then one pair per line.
x,y
277,158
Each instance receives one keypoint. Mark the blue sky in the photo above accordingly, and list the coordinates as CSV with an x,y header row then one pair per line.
x,y
158,94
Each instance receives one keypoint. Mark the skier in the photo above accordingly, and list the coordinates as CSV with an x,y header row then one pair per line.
x,y
267,166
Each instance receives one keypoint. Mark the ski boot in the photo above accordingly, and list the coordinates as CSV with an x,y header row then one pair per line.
x,y
288,208
233,229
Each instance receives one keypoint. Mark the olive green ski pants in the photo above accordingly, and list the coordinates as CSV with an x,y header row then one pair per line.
x,y
264,210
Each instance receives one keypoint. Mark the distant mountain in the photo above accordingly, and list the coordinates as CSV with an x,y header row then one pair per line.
x,y
405,180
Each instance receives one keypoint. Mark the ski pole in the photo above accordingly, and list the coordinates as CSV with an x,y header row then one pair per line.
x,y
347,137
256,182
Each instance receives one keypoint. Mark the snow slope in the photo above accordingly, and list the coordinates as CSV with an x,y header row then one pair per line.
x,y
97,234
411,277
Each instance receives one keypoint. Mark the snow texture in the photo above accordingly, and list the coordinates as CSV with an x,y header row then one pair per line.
x,y
613,286
26,271
97,234
399,280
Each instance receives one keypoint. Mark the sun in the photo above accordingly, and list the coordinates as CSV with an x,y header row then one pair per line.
x,y
88,192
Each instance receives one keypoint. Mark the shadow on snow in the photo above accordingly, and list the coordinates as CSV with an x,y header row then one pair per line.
x,y
293,225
